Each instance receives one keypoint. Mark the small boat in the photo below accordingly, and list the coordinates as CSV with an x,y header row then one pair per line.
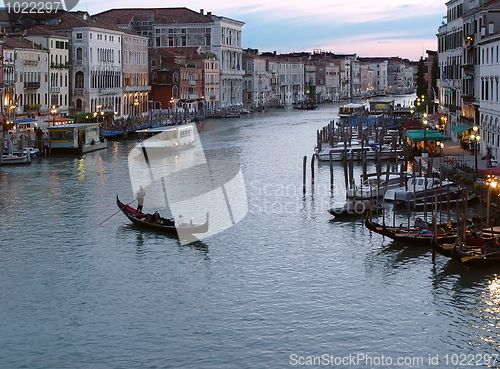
x,y
368,187
413,236
355,208
422,191
11,159
475,252
164,225
352,109
167,137
305,105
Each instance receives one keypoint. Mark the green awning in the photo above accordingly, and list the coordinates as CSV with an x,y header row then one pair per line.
x,y
460,128
449,92
425,135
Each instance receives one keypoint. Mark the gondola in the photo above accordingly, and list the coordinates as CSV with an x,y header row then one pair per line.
x,y
165,225
477,251
412,236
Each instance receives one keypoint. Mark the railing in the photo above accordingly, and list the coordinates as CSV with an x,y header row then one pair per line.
x,y
31,85
55,90
79,62
78,91
30,62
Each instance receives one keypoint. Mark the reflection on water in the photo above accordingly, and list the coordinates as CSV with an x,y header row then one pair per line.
x,y
286,278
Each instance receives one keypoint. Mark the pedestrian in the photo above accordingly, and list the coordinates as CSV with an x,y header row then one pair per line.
x,y
140,198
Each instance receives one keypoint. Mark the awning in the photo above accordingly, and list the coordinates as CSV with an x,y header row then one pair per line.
x,y
460,128
435,116
425,135
25,120
59,120
412,124
449,92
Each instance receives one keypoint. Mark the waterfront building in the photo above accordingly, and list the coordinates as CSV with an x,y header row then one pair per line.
x,y
95,65
451,57
135,72
379,67
400,74
182,27
468,71
488,93
58,46
175,84
256,81
28,65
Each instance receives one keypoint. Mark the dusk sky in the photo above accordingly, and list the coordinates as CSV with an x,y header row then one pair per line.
x,y
404,28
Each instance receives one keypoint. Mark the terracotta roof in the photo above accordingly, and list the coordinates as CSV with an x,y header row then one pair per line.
x,y
160,15
12,43
43,30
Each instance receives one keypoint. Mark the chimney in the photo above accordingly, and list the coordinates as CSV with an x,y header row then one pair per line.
x,y
209,14
201,11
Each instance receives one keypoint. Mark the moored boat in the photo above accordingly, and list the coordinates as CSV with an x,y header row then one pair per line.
x,y
11,159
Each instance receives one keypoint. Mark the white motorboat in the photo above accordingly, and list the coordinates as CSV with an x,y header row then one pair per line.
x,y
374,186
9,159
167,137
420,191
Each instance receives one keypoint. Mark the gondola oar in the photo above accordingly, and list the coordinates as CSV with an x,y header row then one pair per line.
x,y
116,212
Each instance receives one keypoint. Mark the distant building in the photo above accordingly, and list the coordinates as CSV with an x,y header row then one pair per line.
x,y
184,28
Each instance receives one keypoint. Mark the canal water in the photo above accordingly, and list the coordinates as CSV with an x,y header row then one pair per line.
x,y
285,286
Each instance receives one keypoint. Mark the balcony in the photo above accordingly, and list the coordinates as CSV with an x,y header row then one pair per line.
x,y
59,66
192,83
79,62
32,85
78,91
55,90
30,62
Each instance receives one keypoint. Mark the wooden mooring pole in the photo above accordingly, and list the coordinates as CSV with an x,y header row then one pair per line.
x,y
304,167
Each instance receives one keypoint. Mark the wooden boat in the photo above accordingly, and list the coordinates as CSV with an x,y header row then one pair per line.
x,y
477,250
165,225
412,236
10,159
306,105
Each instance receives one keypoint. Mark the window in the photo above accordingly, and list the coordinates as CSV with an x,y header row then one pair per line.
x,y
79,53
79,36
170,30
208,30
90,36
158,41
183,41
183,30
157,30
79,79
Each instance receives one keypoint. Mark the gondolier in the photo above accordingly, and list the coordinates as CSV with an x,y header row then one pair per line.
x,y
139,196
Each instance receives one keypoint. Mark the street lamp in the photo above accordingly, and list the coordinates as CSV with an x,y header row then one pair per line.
x,y
475,139
53,112
425,132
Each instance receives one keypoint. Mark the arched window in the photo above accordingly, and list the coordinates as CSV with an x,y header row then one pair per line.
x,y
79,104
79,54
79,79
175,91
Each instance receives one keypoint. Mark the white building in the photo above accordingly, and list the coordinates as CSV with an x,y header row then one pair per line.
x,y
58,46
96,65
30,86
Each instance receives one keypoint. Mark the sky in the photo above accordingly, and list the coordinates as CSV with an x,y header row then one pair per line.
x,y
368,28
